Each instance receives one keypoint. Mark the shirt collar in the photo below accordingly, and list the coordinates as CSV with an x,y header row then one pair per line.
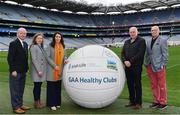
x,y
133,40
155,38
21,41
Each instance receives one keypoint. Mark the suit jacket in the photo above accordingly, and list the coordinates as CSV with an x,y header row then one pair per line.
x,y
158,55
51,65
38,63
18,56
134,52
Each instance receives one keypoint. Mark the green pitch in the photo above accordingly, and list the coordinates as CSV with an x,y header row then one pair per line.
x,y
173,88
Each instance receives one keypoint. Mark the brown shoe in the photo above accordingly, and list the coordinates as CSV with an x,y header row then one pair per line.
x,y
19,111
129,105
25,107
41,104
137,106
36,104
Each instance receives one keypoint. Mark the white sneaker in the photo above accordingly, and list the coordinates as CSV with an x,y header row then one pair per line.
x,y
53,108
58,106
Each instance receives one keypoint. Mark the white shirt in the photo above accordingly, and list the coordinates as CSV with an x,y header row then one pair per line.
x,y
21,42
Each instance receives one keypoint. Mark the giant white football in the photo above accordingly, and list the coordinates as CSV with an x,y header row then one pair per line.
x,y
94,76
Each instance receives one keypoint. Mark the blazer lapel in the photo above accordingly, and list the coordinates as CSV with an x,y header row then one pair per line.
x,y
149,45
22,48
157,42
25,48
19,43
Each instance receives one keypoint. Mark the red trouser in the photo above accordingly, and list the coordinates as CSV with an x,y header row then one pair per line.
x,y
158,85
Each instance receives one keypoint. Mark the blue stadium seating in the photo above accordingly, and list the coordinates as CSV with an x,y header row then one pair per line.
x,y
97,22
20,13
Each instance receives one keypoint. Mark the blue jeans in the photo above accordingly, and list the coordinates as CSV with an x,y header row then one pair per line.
x,y
17,85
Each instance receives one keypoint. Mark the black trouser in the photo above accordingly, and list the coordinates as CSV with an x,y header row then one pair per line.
x,y
53,93
37,90
133,75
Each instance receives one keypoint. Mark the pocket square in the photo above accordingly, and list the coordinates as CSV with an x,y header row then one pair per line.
x,y
157,43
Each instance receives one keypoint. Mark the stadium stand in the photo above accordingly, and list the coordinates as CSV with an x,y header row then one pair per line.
x,y
79,30
20,13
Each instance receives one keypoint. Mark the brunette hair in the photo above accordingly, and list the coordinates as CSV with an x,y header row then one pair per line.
x,y
52,44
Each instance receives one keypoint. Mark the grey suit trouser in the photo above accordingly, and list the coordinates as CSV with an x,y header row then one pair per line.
x,y
16,85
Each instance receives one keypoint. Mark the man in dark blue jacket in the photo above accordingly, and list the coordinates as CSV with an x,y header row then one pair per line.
x,y
132,56
18,66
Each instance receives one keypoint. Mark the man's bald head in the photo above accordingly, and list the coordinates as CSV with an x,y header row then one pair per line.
x,y
21,33
133,32
155,31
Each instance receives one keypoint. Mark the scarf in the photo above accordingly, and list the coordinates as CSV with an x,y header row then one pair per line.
x,y
58,58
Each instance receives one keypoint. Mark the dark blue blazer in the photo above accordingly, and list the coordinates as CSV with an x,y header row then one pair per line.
x,y
18,56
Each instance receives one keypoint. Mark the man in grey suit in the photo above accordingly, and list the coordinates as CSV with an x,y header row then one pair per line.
x,y
156,60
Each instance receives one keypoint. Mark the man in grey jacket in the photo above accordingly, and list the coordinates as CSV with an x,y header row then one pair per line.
x,y
156,60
